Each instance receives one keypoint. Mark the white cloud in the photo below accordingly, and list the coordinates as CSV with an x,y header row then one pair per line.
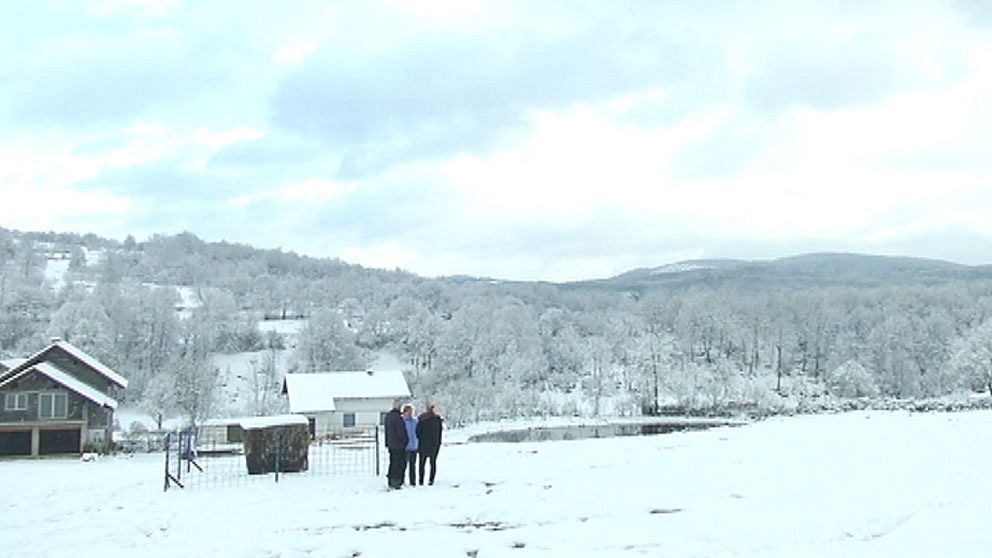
x,y
144,8
303,194
546,153
295,52
63,208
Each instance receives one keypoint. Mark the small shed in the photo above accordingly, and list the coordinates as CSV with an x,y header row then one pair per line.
x,y
276,444
220,436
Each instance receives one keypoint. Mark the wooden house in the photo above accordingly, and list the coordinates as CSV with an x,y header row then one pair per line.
x,y
59,400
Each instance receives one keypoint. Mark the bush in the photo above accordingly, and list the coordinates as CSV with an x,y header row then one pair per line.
x,y
852,380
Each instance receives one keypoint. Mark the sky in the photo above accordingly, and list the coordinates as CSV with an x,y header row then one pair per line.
x,y
532,140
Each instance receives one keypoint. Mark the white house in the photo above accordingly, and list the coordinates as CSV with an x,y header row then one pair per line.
x,y
333,401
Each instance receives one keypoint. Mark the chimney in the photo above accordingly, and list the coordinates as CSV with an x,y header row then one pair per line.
x,y
56,340
370,371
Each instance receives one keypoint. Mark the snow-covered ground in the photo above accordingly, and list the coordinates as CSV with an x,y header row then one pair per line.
x,y
289,328
873,484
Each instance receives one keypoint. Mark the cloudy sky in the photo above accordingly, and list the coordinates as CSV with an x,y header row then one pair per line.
x,y
523,140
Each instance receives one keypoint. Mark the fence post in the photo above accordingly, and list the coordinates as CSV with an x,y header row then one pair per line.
x,y
179,457
168,439
377,457
278,451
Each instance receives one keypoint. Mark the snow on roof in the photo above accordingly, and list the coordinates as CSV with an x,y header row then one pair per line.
x,y
318,392
223,421
10,363
91,362
64,378
308,393
256,423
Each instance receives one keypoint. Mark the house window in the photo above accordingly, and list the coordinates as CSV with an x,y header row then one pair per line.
x,y
382,418
349,420
16,402
53,405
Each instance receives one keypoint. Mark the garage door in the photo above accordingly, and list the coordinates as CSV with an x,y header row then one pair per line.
x,y
58,441
15,443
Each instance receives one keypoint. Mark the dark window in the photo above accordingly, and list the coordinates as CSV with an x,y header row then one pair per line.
x,y
349,419
235,434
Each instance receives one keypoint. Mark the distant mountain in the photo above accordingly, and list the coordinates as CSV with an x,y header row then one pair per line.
x,y
807,270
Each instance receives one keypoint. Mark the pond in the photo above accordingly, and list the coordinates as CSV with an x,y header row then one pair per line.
x,y
580,432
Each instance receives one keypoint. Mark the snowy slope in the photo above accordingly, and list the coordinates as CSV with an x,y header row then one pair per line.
x,y
55,271
862,484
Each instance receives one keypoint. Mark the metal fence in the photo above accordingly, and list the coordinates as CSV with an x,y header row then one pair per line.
x,y
192,461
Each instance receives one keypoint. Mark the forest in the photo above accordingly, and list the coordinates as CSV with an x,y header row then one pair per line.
x,y
702,338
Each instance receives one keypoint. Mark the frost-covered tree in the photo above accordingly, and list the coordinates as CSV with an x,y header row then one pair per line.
x,y
159,397
850,379
264,384
325,344
562,348
83,322
599,382
972,356
419,339
656,363
196,386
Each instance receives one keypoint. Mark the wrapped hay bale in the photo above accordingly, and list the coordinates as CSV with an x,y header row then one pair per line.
x,y
279,443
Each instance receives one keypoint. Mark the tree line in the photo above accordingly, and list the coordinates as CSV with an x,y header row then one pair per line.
x,y
486,349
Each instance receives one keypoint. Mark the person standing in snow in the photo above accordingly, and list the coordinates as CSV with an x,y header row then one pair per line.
x,y
412,444
429,426
396,441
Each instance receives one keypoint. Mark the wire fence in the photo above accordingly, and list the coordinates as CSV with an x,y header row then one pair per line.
x,y
194,459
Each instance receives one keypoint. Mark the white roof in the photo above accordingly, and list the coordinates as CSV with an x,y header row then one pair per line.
x,y
223,421
64,378
91,362
310,393
10,363
256,423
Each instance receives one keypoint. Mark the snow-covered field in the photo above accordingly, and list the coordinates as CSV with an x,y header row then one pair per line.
x,y
860,484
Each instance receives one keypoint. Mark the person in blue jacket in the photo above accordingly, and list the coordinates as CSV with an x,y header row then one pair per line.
x,y
412,444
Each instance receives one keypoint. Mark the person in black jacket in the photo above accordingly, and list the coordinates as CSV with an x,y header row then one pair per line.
x,y
429,427
396,440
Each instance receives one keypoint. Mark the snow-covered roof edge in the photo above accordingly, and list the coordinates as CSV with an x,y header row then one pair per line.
x,y
91,362
65,379
303,398
10,363
321,392
256,423
72,350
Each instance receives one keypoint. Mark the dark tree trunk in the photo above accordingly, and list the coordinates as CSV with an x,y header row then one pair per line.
x,y
778,385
